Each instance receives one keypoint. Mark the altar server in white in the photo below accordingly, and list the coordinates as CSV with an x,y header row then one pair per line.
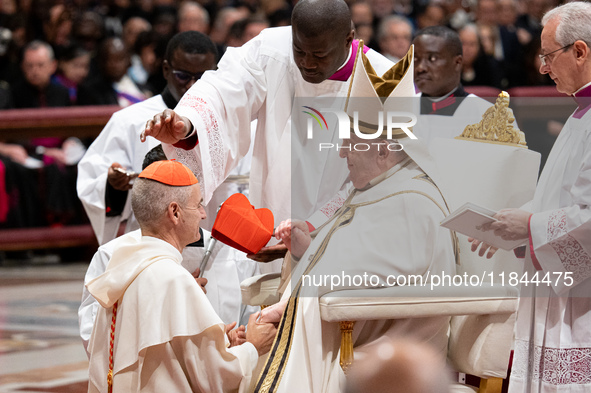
x,y
104,190
446,108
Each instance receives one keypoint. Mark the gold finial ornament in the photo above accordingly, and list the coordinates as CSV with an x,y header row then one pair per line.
x,y
496,125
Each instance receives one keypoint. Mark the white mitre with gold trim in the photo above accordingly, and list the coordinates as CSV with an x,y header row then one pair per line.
x,y
371,96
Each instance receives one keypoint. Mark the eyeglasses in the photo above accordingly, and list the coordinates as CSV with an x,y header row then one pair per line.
x,y
543,57
184,77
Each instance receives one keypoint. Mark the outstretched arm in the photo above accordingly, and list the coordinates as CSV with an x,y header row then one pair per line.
x,y
167,127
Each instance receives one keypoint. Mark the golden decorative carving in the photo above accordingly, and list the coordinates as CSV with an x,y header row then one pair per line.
x,y
346,345
496,125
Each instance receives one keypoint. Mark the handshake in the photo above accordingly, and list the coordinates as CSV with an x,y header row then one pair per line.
x,y
260,334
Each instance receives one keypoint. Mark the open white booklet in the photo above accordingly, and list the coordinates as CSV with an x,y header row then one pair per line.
x,y
468,220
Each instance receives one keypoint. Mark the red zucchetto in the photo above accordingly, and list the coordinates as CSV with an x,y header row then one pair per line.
x,y
169,172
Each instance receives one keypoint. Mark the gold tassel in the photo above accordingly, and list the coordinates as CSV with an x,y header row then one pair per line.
x,y
346,344
110,381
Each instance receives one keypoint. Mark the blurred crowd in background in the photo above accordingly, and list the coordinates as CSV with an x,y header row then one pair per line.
x,y
84,43
56,53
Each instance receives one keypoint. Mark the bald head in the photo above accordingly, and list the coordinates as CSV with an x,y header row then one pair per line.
x,y
193,17
317,17
399,365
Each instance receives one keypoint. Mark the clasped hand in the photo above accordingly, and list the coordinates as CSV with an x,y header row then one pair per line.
x,y
511,224
296,236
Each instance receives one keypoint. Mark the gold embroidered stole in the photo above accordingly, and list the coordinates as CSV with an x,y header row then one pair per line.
x,y
275,364
272,372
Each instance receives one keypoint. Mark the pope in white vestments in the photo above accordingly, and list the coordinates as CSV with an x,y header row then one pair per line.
x,y
445,107
388,227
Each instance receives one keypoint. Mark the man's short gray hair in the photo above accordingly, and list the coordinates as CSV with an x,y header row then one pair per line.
x,y
150,200
192,4
393,20
36,44
575,19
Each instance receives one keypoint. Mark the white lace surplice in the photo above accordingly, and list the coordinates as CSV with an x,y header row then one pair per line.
x,y
553,334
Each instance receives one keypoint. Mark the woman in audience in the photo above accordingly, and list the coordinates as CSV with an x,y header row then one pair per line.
x,y
479,68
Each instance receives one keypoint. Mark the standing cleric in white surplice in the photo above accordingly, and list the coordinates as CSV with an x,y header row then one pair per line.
x,y
106,201
553,334
259,81
553,337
